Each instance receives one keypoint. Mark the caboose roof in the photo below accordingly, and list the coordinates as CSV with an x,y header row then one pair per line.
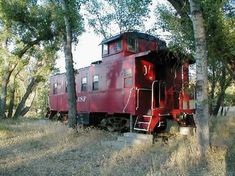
x,y
136,34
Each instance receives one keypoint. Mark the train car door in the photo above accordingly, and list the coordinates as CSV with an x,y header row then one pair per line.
x,y
62,97
144,78
53,94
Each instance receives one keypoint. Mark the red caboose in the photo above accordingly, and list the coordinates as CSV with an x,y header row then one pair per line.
x,y
138,77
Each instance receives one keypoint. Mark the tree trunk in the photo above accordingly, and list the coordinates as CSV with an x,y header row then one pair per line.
x,y
7,71
224,82
5,80
21,106
69,69
221,95
11,103
12,97
26,109
202,116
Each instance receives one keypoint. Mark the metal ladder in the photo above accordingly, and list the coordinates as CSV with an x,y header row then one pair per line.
x,y
141,125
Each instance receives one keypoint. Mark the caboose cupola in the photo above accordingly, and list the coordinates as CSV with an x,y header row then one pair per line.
x,y
129,43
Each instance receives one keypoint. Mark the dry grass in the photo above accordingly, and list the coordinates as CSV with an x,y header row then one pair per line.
x,y
49,148
41,147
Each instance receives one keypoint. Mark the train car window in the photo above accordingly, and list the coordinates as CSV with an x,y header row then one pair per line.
x,y
66,87
127,72
105,49
84,84
95,83
118,45
55,87
127,77
127,82
132,44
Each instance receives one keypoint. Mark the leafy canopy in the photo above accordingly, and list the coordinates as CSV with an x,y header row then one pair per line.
x,y
108,17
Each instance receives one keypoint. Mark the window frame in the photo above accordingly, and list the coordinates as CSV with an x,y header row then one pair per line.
x,y
118,45
84,84
66,87
128,78
133,47
55,88
95,83
105,49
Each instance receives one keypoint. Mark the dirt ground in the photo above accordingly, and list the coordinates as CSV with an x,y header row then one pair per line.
x,y
42,147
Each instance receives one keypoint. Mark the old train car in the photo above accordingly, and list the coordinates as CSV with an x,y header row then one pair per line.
x,y
137,78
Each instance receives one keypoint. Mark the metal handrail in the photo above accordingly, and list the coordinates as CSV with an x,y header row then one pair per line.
x,y
128,99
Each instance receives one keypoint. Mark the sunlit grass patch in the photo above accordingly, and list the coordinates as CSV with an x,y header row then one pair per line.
x,y
221,130
43,147
50,143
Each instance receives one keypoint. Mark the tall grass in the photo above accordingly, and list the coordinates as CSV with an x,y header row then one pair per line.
x,y
41,147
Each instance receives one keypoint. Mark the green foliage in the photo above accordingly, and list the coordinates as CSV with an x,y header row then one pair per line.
x,y
219,30
77,24
40,106
219,37
31,32
230,96
181,28
108,17
28,23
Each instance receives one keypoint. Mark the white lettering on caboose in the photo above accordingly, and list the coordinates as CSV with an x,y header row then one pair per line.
x,y
81,99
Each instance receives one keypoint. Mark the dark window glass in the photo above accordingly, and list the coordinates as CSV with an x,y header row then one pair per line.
x,y
131,44
66,87
95,83
55,87
119,45
84,84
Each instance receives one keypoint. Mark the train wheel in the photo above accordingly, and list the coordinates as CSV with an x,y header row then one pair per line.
x,y
115,124
110,128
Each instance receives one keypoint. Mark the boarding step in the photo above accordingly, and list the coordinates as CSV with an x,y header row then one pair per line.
x,y
138,135
130,140
143,123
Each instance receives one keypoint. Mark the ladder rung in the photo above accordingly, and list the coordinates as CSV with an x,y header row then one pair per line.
x,y
149,116
143,123
146,123
140,129
161,115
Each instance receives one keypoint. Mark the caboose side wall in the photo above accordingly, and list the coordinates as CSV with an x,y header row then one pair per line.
x,y
108,97
52,94
115,86
113,57
58,95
